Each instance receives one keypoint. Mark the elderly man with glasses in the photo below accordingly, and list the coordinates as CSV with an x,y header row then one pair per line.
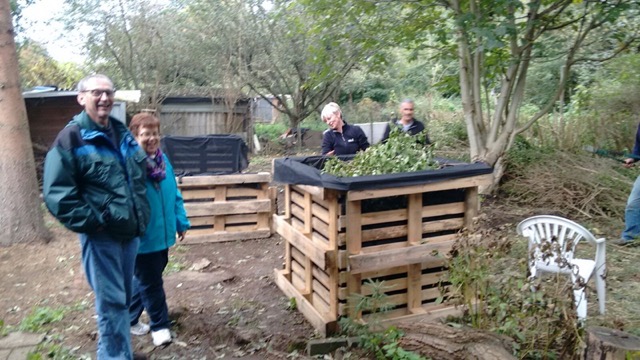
x,y
94,184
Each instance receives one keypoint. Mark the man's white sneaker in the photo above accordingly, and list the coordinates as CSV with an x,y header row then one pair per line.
x,y
161,337
140,329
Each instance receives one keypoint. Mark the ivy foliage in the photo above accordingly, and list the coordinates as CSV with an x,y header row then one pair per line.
x,y
400,153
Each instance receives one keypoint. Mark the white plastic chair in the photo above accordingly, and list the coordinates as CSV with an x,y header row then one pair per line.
x,y
548,257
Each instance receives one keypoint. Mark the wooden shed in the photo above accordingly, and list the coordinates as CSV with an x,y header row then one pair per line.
x,y
49,111
194,116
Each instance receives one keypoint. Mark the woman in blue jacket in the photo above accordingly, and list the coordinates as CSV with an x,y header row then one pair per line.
x,y
168,218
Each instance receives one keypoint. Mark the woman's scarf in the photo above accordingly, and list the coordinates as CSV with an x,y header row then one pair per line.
x,y
156,167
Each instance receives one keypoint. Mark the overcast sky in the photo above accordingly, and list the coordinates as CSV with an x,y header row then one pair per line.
x,y
40,25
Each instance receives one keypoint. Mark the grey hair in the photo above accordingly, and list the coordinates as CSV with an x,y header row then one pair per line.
x,y
82,84
407,101
330,109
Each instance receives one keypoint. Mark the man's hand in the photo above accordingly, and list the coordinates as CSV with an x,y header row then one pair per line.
x,y
330,153
628,163
181,235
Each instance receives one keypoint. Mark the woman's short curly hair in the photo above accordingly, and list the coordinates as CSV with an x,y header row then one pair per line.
x,y
143,119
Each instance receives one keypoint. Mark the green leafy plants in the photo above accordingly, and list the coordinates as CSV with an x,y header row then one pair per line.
x,y
174,265
39,317
382,344
50,350
400,153
269,132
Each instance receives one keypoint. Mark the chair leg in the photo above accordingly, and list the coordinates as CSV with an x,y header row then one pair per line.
x,y
581,303
601,289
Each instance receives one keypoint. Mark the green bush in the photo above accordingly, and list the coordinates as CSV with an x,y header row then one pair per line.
x,y
269,132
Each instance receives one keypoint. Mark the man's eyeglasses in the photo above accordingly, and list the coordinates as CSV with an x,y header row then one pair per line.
x,y
98,92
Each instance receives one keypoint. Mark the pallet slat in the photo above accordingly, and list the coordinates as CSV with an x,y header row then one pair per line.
x,y
227,207
231,179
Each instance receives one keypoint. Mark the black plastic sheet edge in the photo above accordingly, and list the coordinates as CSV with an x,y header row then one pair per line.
x,y
307,171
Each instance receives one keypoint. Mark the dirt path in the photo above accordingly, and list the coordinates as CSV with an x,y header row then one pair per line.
x,y
229,308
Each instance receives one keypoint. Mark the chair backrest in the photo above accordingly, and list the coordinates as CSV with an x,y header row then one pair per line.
x,y
548,228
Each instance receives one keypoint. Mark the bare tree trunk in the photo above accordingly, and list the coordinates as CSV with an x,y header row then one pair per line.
x,y
498,172
21,217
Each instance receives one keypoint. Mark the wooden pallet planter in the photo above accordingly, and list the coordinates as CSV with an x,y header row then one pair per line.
x,y
228,207
337,240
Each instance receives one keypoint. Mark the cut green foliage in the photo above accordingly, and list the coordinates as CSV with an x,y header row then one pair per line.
x,y
39,317
400,153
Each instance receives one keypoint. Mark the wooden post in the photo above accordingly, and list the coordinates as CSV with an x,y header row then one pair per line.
x,y
414,237
219,222
287,201
332,270
354,247
471,206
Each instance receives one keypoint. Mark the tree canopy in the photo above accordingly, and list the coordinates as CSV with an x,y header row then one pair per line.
x,y
496,44
303,51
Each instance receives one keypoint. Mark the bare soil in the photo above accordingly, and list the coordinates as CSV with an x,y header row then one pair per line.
x,y
230,308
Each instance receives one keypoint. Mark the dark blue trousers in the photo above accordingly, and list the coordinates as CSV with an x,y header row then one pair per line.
x,y
148,292
108,264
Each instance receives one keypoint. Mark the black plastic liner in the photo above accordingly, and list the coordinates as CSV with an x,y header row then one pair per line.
x,y
206,155
307,171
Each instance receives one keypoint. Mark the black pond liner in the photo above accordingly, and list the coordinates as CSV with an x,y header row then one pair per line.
x,y
307,171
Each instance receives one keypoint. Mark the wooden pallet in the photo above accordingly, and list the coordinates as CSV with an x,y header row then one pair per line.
x,y
228,207
337,241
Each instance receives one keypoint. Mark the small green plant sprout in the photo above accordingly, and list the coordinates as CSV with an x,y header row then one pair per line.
x,y
400,153
292,305
40,317
174,265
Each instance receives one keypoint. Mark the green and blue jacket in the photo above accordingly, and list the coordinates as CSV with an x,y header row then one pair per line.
x,y
91,184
